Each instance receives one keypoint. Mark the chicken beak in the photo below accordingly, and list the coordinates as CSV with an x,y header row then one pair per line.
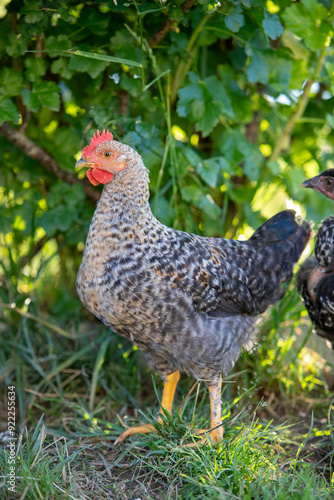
x,y
84,163
309,183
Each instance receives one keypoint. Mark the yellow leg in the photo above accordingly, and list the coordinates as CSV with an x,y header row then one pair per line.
x,y
216,430
166,405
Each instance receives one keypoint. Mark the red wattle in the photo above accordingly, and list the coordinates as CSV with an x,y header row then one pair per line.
x,y
98,176
91,178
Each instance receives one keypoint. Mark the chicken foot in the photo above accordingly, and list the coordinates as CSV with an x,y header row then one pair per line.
x,y
166,406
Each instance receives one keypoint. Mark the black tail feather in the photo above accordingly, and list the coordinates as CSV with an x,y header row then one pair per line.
x,y
282,230
286,235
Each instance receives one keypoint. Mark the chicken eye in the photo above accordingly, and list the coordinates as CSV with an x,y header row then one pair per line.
x,y
328,181
107,153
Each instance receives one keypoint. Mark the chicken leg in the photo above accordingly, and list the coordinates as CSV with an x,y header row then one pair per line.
x,y
216,430
166,406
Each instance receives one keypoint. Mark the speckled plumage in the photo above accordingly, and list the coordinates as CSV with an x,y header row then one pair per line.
x,y
316,282
316,276
189,302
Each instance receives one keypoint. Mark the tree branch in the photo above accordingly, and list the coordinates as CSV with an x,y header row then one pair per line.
x,y
186,63
252,128
159,35
37,153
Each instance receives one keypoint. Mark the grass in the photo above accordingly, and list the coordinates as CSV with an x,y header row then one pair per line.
x,y
78,384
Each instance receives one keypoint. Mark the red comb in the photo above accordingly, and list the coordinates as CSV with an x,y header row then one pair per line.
x,y
96,140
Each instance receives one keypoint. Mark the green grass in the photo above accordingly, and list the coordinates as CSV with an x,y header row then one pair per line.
x,y
256,460
78,384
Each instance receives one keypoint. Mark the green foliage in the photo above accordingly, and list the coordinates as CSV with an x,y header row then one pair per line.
x,y
222,111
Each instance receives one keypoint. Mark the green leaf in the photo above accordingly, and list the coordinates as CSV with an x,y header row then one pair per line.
x,y
48,94
192,157
33,17
163,211
103,57
55,195
36,67
187,95
238,150
121,38
316,9
192,194
230,146
210,170
272,26
16,45
65,194
220,96
209,207
43,94
298,20
308,21
203,201
32,12
258,69
61,66
48,223
100,115
205,102
205,112
61,218
274,167
235,20
11,82
253,160
92,20
280,73
8,112
30,100
240,102
75,196
53,45
319,36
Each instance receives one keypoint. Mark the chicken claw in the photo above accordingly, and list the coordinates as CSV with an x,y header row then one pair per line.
x,y
166,406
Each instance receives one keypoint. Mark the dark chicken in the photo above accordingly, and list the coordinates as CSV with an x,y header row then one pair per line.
x,y
316,276
189,302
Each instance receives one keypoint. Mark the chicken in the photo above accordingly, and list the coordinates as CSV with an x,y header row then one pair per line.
x,y
189,302
315,278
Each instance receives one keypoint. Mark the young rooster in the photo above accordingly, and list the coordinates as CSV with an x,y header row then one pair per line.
x,y
189,302
316,276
